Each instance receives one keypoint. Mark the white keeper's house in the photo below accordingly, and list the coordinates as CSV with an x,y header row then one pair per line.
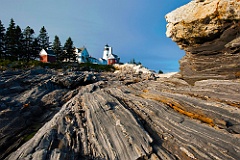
x,y
108,57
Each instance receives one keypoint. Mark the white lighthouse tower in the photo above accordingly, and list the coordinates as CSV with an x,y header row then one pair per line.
x,y
108,56
107,52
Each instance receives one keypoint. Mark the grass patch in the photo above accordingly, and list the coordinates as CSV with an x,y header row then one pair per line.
x,y
15,65
32,131
28,137
96,67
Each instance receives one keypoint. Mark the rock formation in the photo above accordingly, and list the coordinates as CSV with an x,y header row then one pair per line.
x,y
209,32
46,114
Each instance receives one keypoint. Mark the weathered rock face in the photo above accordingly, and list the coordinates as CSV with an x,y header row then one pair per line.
x,y
51,115
209,32
28,99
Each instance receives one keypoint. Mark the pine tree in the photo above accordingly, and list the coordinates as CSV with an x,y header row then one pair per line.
x,y
69,54
2,40
11,41
19,43
57,48
35,48
43,38
28,40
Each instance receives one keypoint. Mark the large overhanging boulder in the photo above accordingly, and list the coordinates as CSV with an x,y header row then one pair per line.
x,y
209,32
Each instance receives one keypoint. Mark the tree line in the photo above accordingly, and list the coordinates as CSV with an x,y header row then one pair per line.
x,y
22,45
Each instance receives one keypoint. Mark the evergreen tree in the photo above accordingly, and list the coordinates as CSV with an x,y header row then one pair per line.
x,y
133,61
35,48
57,48
2,40
43,38
11,41
19,43
69,55
28,40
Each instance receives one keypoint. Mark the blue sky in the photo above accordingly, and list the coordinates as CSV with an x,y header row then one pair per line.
x,y
135,29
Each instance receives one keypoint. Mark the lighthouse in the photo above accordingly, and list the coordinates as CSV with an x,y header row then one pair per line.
x,y
107,52
108,55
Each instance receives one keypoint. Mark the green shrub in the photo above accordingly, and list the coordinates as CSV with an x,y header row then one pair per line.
x,y
160,72
132,61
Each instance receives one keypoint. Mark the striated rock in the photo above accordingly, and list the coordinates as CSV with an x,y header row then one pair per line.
x,y
161,118
30,98
99,128
209,32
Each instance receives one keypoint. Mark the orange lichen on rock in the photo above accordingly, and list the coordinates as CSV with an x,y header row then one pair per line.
x,y
234,104
145,90
26,105
237,74
179,108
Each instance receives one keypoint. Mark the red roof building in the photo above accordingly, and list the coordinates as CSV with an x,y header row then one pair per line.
x,y
47,56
